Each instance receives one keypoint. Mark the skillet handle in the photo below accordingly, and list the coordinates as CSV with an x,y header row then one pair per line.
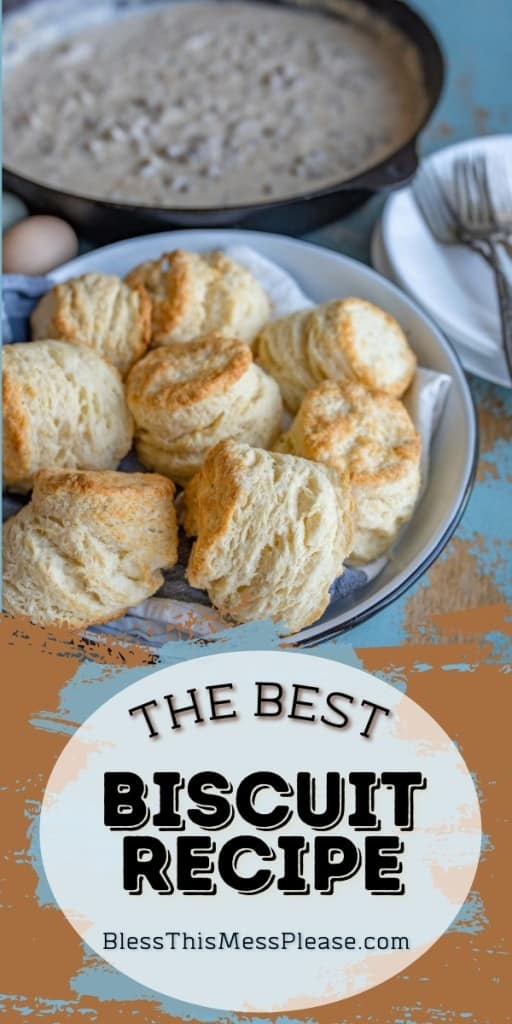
x,y
394,173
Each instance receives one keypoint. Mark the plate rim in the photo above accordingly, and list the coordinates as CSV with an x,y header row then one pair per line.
x,y
223,236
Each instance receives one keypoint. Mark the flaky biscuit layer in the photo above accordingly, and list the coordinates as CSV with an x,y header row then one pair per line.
x,y
98,310
63,406
88,546
195,293
347,338
369,436
272,532
186,398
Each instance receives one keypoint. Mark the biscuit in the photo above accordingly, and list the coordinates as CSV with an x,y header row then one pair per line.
x,y
371,437
195,293
63,406
98,310
346,338
272,533
186,398
88,546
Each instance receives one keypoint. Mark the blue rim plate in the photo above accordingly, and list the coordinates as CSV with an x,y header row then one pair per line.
x,y
324,274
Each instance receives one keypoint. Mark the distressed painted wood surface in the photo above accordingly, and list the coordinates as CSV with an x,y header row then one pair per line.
x,y
448,641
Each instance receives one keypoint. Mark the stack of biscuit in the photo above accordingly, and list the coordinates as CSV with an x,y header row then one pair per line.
x,y
183,358
347,338
186,398
195,293
370,437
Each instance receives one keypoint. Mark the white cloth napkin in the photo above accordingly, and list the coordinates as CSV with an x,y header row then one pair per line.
x,y
284,293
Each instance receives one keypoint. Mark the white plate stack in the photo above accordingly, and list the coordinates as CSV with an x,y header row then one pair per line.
x,y
452,283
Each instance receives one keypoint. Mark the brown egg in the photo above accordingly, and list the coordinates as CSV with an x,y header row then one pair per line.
x,y
37,245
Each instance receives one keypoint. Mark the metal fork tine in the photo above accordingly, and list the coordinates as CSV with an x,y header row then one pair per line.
x,y
476,197
482,181
478,208
486,189
473,192
467,193
461,190
483,205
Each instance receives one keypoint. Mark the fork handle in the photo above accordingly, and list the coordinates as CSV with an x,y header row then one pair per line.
x,y
500,258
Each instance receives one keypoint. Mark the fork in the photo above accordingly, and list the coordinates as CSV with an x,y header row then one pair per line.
x,y
479,216
483,197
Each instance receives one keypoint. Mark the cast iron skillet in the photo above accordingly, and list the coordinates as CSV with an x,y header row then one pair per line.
x,y
103,221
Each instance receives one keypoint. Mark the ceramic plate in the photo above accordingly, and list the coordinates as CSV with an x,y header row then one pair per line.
x,y
490,367
324,275
451,282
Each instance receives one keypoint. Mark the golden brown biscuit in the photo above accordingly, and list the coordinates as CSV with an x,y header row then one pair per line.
x,y
370,437
186,398
88,546
98,310
195,293
63,406
272,533
339,339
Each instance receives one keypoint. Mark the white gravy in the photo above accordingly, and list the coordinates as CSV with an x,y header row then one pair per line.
x,y
203,104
